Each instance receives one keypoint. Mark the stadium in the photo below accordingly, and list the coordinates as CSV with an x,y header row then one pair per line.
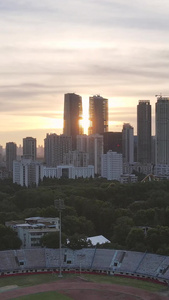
x,y
143,266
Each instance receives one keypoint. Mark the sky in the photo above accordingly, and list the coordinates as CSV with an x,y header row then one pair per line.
x,y
115,48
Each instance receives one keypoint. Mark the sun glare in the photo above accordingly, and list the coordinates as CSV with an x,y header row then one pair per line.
x,y
85,118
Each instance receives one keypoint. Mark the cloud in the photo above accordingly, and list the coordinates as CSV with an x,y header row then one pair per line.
x,y
117,48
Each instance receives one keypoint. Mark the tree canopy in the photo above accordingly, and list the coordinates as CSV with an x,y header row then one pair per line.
x,y
96,207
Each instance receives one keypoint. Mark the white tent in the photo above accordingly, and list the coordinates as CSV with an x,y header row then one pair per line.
x,y
99,239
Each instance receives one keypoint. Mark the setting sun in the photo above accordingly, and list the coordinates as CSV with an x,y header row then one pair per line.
x,y
85,118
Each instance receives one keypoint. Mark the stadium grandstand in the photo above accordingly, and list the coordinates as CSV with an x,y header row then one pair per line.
x,y
107,261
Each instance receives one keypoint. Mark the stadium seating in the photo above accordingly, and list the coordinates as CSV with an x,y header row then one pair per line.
x,y
87,259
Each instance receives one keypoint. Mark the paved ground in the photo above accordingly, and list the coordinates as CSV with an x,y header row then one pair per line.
x,y
79,289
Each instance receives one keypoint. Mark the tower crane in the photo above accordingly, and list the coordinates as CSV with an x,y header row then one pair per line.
x,y
161,95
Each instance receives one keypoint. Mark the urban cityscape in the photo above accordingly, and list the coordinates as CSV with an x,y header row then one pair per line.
x,y
84,149
120,156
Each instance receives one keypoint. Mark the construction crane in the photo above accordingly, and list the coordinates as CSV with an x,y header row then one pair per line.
x,y
161,95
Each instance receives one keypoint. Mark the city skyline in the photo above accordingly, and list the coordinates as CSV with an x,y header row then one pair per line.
x,y
116,49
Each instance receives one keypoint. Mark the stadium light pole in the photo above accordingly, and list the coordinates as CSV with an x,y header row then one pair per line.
x,y
59,205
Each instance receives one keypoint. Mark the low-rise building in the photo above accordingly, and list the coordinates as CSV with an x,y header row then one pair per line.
x,y
33,229
68,171
128,178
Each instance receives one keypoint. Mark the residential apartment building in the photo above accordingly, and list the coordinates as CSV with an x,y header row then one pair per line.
x,y
27,172
55,147
29,148
112,165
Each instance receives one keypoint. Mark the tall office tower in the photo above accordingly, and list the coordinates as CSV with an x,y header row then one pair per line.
x,y
112,141
55,147
144,131
98,115
10,155
95,150
162,130
72,117
29,148
128,143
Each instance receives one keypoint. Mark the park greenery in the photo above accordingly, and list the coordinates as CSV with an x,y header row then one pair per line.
x,y
132,216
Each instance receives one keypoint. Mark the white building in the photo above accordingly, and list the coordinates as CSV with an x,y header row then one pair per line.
x,y
138,167
161,171
33,229
27,172
128,178
69,171
112,165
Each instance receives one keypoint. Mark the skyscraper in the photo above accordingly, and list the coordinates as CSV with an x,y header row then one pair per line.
x,y
10,155
144,131
162,130
98,115
72,117
128,143
29,148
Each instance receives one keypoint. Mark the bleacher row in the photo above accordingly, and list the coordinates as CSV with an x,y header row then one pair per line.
x,y
88,259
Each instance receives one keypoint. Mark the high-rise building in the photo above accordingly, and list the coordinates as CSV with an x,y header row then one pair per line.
x,y
95,150
98,115
10,155
55,148
29,148
162,130
72,117
144,131
128,143
112,141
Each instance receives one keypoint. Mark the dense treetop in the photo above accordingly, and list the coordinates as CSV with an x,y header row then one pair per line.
x,y
132,216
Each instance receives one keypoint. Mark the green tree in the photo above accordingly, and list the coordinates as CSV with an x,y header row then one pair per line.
x,y
8,239
153,239
121,230
136,239
78,241
51,240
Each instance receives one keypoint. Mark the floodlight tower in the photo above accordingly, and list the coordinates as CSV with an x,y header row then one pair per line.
x,y
59,205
